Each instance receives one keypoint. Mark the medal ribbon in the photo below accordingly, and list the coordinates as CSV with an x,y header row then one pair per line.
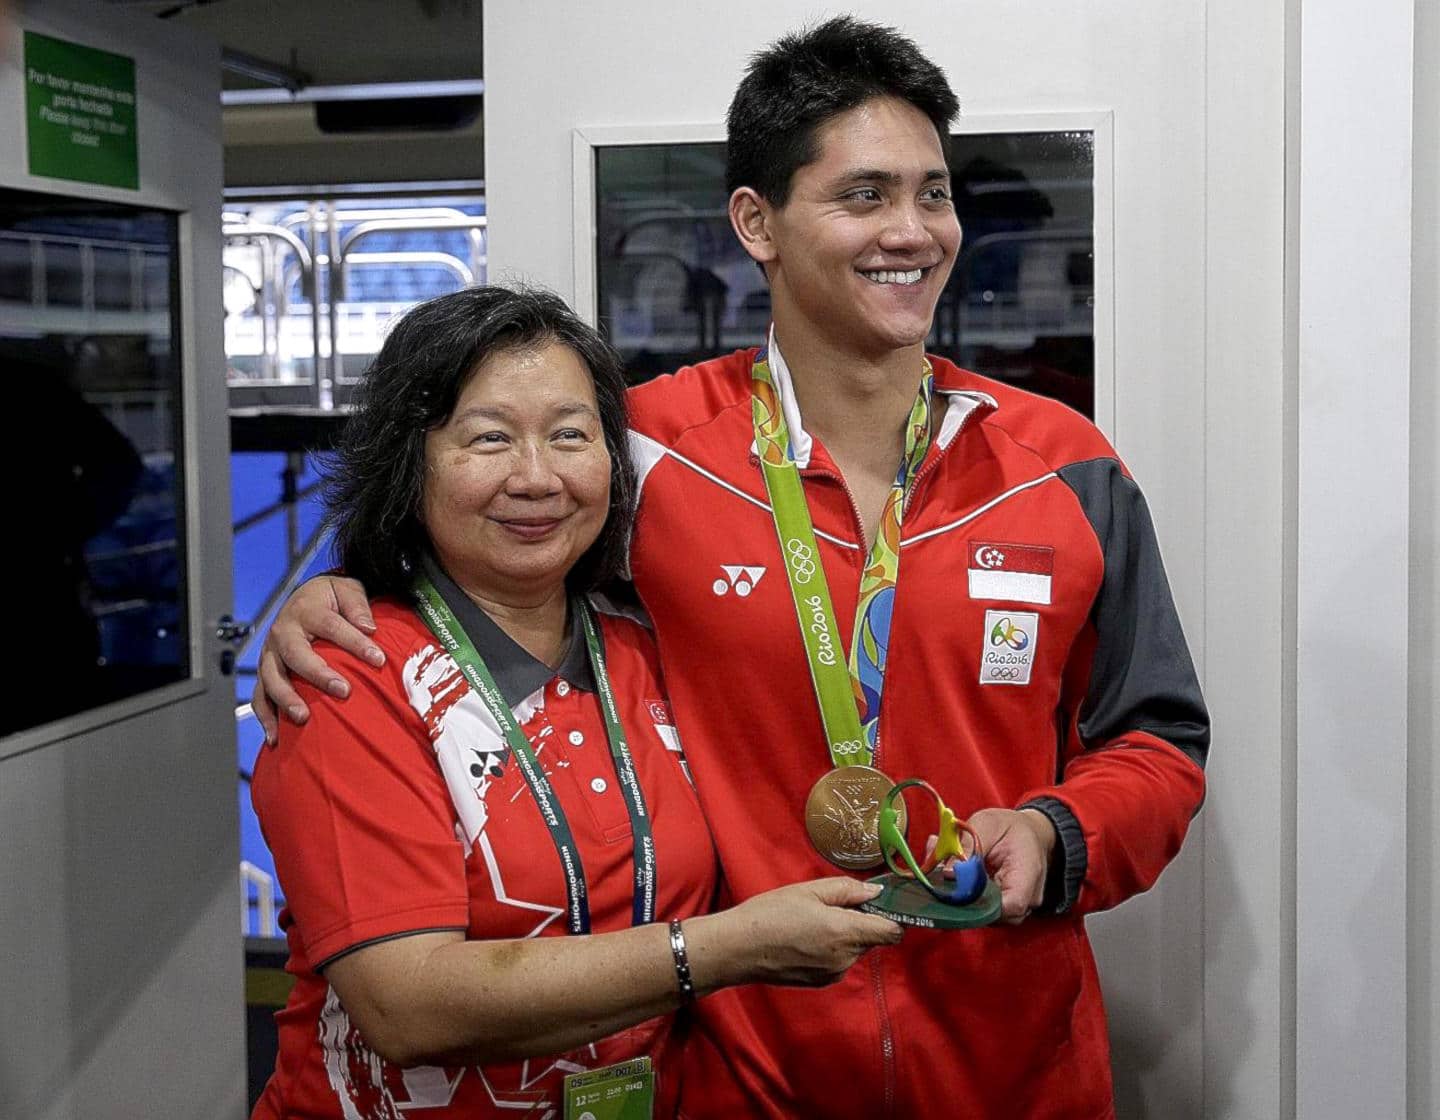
x,y
451,635
848,696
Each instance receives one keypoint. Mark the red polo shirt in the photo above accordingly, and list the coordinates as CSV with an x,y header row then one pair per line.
x,y
400,811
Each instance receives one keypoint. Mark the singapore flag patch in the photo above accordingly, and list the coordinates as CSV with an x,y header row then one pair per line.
x,y
665,727
664,724
1017,573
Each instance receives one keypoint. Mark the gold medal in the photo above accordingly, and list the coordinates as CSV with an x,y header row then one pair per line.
x,y
842,816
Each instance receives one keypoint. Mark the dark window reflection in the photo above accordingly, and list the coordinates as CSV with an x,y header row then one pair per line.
x,y
675,287
1020,302
91,458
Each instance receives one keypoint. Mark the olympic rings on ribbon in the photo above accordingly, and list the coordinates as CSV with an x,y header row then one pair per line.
x,y
970,877
801,561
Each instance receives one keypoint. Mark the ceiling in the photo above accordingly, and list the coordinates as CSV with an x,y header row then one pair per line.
x,y
338,42
330,43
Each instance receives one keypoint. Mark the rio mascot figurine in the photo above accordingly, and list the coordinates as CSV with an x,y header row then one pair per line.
x,y
949,889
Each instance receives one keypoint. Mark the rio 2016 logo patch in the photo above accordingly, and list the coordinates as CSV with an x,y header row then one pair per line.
x,y
1007,652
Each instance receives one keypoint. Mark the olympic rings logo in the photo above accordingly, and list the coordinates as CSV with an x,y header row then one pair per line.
x,y
1007,673
801,561
845,746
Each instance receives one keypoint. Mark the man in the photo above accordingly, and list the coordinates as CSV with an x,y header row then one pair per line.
x,y
1015,642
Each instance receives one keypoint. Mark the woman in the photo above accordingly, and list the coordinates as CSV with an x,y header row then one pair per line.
x,y
491,852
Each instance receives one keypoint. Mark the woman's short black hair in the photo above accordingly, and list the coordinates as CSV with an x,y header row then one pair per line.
x,y
800,81
375,483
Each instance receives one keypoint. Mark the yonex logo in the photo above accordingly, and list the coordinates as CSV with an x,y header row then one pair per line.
x,y
738,578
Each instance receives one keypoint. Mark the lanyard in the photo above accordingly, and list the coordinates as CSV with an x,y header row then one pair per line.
x,y
451,635
848,695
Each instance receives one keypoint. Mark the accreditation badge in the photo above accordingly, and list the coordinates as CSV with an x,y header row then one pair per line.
x,y
624,1091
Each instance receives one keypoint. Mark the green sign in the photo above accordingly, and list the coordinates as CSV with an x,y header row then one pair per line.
x,y
80,113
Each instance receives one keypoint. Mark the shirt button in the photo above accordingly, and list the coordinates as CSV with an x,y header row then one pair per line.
x,y
576,738
598,785
562,688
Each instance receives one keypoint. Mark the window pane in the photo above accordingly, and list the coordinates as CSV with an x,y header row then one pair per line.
x,y
1020,303
675,287
87,337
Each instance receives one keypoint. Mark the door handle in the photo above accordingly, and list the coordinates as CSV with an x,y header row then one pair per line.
x,y
228,630
233,633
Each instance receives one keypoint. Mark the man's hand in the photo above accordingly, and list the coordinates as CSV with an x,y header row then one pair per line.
x,y
329,607
1018,846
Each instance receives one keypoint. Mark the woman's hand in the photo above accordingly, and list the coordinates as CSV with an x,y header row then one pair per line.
x,y
329,607
805,934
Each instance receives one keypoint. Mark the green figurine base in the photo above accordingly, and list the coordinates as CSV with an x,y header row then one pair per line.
x,y
905,901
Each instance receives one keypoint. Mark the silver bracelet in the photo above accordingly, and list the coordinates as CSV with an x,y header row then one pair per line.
x,y
682,962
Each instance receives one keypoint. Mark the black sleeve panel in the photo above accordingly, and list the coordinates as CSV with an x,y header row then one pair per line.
x,y
1068,862
1143,678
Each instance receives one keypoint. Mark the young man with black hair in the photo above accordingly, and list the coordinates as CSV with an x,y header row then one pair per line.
x,y
1009,605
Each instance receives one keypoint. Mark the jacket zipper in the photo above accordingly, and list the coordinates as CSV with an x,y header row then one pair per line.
x,y
935,462
887,1039
882,1011
882,1014
855,511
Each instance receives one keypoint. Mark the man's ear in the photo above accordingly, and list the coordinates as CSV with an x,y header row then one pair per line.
x,y
750,218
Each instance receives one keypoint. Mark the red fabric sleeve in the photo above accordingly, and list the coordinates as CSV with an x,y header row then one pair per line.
x,y
1140,735
356,813
1133,799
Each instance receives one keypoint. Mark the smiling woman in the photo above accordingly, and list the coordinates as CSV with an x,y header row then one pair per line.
x,y
485,384
441,831
518,481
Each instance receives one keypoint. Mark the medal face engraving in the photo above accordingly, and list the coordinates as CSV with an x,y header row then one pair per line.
x,y
842,816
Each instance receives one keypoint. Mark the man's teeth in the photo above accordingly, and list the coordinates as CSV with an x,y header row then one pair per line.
x,y
911,277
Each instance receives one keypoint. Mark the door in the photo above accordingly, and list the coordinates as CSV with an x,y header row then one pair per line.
x,y
122,962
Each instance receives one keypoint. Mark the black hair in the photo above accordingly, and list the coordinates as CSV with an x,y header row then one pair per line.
x,y
802,80
375,483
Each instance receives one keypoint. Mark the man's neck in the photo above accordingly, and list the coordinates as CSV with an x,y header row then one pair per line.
x,y
856,404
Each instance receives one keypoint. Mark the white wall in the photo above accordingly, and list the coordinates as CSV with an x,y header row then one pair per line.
x,y
1201,1002
120,951
1249,661
1353,276
1423,912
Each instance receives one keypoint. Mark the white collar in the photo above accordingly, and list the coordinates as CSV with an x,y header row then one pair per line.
x,y
962,403
800,442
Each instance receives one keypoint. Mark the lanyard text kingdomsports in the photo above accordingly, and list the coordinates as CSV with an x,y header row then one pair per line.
x,y
848,696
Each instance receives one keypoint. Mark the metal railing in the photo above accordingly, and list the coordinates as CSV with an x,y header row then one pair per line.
x,y
31,282
318,245
264,901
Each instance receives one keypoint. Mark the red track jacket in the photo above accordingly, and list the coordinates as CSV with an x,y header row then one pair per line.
x,y
1035,658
